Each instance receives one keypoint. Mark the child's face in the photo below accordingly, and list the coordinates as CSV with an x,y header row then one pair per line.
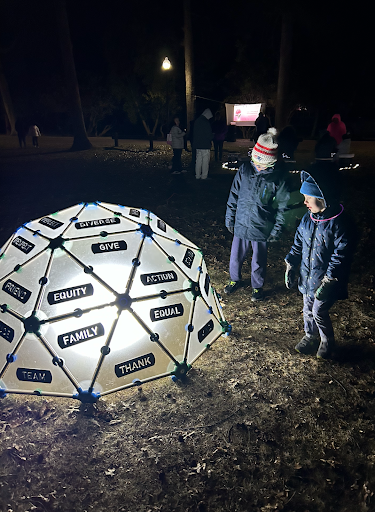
x,y
314,204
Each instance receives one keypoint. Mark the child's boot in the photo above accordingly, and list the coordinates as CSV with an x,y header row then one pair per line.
x,y
307,345
325,349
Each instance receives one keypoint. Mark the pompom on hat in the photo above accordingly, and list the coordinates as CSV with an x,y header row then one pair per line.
x,y
265,150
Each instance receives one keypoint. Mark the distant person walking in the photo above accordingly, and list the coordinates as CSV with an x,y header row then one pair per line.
x,y
21,129
261,125
34,132
336,128
178,137
202,138
220,129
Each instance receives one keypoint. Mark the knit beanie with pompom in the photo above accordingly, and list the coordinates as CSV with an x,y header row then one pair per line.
x,y
265,150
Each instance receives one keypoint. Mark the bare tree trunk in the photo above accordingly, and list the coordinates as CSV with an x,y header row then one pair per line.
x,y
189,67
7,101
79,131
284,70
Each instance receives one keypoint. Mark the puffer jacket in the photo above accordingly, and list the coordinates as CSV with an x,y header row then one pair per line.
x,y
257,202
177,137
321,245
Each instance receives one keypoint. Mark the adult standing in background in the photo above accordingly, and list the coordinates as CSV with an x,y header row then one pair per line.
x,y
202,138
336,128
178,137
220,129
261,124
21,129
34,133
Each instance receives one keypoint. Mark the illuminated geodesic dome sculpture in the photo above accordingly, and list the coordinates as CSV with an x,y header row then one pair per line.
x,y
100,297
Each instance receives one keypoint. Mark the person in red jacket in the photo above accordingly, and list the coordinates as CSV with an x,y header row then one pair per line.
x,y
336,128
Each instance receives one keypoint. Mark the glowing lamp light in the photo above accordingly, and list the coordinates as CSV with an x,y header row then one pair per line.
x,y
166,64
97,298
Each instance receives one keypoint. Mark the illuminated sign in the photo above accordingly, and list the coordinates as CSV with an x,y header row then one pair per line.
x,y
17,291
96,223
76,292
6,332
31,375
135,365
86,333
166,312
158,277
109,247
205,331
50,223
188,258
242,114
23,245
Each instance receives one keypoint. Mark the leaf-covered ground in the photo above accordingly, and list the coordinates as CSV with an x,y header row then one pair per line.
x,y
256,426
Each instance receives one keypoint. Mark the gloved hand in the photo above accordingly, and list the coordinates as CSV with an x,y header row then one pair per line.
x,y
325,290
290,276
230,229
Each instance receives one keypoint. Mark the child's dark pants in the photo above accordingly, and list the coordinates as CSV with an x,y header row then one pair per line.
x,y
316,318
239,251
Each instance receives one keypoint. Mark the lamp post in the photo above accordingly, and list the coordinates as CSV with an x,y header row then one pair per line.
x,y
166,66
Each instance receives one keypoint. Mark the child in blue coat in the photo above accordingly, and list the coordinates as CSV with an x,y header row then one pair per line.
x,y
322,250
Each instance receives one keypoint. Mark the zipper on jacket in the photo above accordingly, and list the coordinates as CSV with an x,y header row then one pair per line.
x,y
311,251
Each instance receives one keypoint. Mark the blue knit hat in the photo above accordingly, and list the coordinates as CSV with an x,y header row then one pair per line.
x,y
309,186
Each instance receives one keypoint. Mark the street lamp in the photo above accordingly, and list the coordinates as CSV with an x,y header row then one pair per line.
x,y
166,66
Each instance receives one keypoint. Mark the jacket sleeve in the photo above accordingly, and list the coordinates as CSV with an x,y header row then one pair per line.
x,y
337,262
295,254
230,215
281,198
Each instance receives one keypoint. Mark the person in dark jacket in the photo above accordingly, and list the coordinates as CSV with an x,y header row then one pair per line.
x,y
262,124
255,212
322,250
288,142
220,129
326,147
21,129
202,138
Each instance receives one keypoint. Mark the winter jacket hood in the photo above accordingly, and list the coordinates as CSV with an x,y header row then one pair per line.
x,y
207,113
337,128
327,179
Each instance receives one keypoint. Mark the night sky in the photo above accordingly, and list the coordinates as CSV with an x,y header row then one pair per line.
x,y
119,41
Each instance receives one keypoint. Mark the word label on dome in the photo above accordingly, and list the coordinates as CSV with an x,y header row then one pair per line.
x,y
207,284
6,332
162,225
205,331
50,223
188,258
76,292
134,213
166,312
109,247
135,365
23,245
31,375
17,291
74,337
158,277
96,223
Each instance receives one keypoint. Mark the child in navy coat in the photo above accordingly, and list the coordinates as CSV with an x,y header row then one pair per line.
x,y
322,250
